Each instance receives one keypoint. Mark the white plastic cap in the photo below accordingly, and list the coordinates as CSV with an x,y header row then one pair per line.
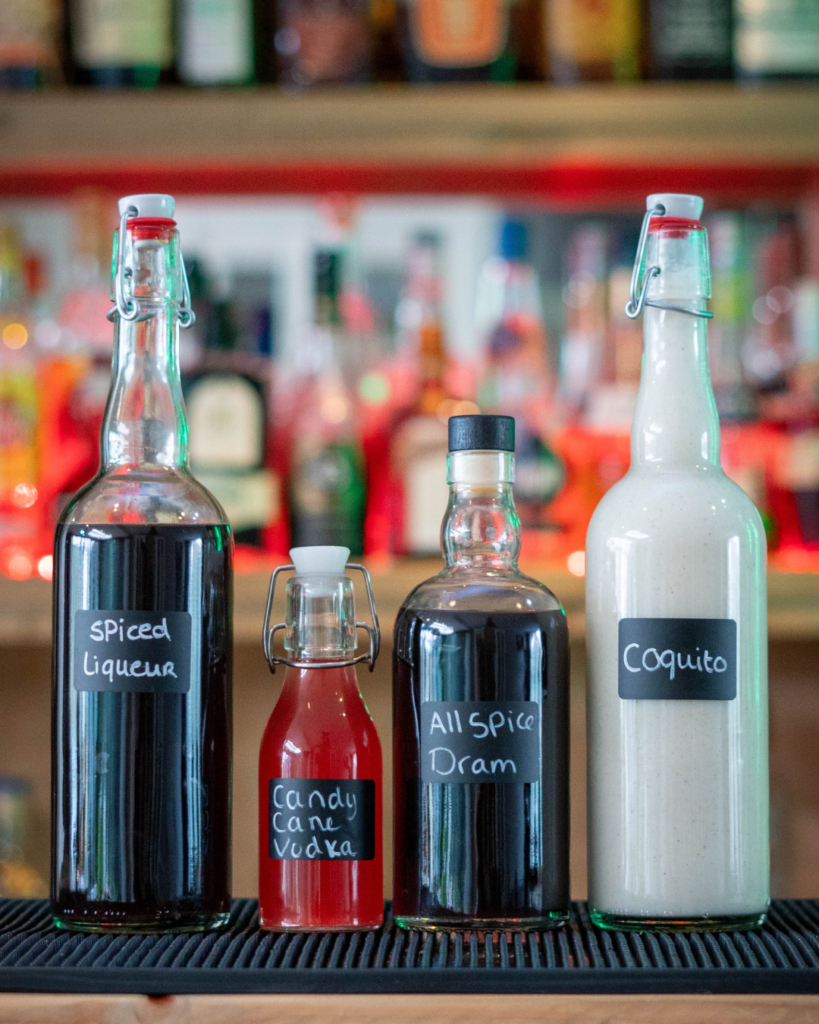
x,y
677,204
321,558
149,204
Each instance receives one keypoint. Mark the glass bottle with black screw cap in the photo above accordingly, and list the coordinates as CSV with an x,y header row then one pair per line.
x,y
141,721
481,715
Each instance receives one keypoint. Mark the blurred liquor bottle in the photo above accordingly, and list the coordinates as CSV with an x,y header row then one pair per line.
x,y
387,56
472,40
321,42
585,297
776,39
612,403
227,398
18,878
121,43
419,445
79,363
518,379
18,381
731,304
216,42
29,54
593,40
691,38
769,353
327,488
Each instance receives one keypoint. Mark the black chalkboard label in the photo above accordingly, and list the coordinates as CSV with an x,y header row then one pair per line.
x,y
677,659
132,652
322,819
480,741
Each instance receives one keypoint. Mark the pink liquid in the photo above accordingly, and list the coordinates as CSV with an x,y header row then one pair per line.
x,y
319,729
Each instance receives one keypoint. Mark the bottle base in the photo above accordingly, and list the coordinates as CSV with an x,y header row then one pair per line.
x,y
553,919
274,926
101,925
720,923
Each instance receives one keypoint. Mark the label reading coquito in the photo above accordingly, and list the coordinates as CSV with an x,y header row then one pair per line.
x,y
677,659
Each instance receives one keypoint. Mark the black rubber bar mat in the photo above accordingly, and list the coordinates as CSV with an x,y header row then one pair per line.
x,y
579,958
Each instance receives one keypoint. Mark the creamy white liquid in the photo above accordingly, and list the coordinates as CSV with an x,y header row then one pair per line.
x,y
678,789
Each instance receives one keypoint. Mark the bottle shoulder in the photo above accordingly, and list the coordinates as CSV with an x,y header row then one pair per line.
x,y
480,590
144,495
647,505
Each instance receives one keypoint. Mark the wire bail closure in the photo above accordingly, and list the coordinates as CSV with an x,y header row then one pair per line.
x,y
638,297
126,306
373,631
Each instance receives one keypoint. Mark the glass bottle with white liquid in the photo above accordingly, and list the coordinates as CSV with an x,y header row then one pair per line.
x,y
676,613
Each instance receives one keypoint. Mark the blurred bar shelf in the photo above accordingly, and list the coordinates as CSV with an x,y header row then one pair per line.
x,y
25,606
576,147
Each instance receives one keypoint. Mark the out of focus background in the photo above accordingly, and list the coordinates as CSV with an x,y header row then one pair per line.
x,y
393,211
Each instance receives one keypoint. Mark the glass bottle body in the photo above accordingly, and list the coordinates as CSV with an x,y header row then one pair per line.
x,y
776,40
691,39
470,47
320,729
320,43
481,649
593,42
678,783
142,664
117,44
142,774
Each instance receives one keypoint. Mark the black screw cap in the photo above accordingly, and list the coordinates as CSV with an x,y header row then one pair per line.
x,y
481,433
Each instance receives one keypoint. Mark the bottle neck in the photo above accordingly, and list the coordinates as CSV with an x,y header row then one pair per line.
x,y
481,528
144,424
676,425
320,618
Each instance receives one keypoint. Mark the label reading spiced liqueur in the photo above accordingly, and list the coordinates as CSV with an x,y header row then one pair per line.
x,y
131,652
677,659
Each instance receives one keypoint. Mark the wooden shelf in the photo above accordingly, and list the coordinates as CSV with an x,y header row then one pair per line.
x,y
25,608
585,145
23,1008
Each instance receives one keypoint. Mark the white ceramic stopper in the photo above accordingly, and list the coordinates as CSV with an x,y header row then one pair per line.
x,y
149,204
320,558
677,204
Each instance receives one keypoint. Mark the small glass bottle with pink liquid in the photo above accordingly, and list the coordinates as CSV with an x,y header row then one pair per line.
x,y
320,787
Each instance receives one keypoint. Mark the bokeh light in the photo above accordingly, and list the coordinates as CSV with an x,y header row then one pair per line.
x,y
576,563
24,495
14,335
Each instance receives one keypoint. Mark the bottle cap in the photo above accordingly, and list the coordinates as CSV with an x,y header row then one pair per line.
x,y
149,204
677,204
481,433
323,559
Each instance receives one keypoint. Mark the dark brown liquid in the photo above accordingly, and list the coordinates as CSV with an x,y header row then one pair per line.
x,y
481,852
141,781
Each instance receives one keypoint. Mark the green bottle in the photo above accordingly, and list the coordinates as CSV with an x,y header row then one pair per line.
x,y
327,475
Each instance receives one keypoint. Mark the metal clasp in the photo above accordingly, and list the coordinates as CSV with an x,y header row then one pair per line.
x,y
373,631
126,305
638,297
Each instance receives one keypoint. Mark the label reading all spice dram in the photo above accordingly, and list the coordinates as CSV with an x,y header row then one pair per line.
x,y
131,652
480,741
677,659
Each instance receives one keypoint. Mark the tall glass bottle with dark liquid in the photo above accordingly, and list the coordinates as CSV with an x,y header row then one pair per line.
x,y
142,634
481,715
